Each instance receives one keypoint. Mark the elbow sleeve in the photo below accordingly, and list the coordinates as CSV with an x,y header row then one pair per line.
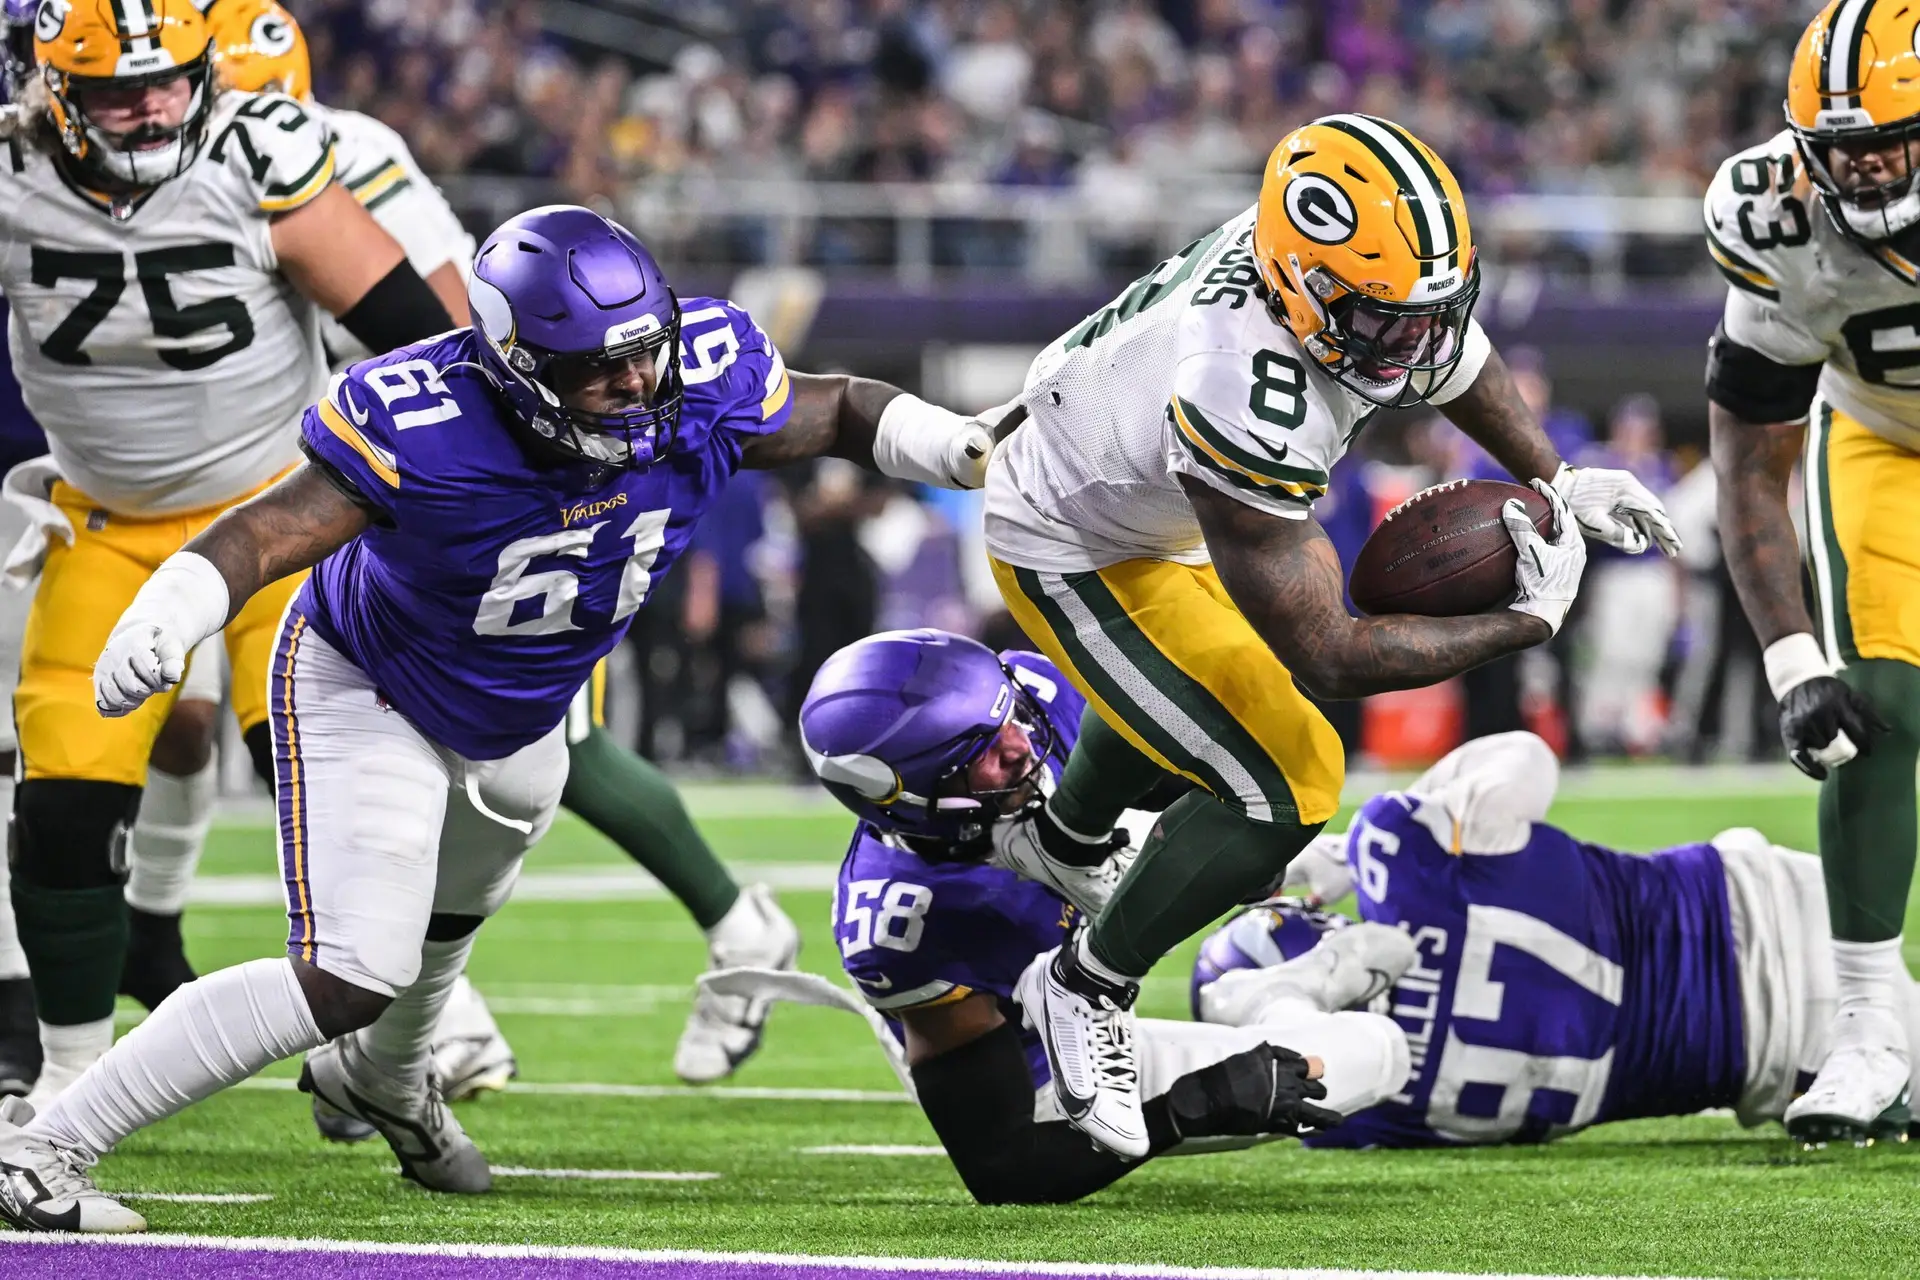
x,y
1754,388
401,309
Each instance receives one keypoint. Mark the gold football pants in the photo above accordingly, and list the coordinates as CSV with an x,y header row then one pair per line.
x,y
83,590
1863,510
1166,658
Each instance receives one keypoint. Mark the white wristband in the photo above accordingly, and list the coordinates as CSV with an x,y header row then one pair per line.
x,y
1793,660
914,441
186,596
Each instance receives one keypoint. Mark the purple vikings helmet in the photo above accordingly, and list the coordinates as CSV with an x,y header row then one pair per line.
x,y
891,723
16,45
563,283
1274,931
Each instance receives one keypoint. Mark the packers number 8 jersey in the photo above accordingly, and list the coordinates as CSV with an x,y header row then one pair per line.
x,y
1185,373
1804,294
165,355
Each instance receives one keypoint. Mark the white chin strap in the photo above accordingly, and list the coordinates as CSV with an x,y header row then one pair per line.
x,y
143,168
1485,795
1879,224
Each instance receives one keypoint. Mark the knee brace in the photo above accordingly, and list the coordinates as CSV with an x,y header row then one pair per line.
x,y
259,740
445,927
70,833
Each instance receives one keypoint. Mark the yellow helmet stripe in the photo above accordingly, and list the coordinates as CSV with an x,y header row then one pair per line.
x,y
1434,226
1840,62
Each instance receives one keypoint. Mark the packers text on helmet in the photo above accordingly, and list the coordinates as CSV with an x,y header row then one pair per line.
x,y
259,47
1363,244
1853,103
101,50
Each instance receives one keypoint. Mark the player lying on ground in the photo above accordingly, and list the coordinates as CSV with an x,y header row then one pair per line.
x,y
937,936
1560,984
487,510
259,48
1814,362
1151,529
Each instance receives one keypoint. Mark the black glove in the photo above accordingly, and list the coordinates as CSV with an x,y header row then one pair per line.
x,y
1814,714
1261,1091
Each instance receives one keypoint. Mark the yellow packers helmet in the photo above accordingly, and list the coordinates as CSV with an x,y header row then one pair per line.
x,y
1855,86
259,47
1363,244
93,46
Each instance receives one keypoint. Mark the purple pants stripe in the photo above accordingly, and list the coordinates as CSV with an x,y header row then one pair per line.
x,y
290,786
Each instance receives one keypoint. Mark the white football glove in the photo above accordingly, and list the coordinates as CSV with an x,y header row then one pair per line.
x,y
1548,574
28,488
1615,508
183,603
1319,873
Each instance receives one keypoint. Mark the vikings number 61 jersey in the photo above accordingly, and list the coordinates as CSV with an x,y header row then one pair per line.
x,y
164,354
488,587
1556,987
1803,293
1186,373
914,933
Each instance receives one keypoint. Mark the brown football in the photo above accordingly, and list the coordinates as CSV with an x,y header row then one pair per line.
x,y
1443,553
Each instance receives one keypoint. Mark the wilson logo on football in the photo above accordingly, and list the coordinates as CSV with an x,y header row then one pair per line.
x,y
1320,210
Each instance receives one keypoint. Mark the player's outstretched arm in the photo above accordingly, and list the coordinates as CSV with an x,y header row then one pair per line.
x,y
334,253
880,427
1286,578
197,590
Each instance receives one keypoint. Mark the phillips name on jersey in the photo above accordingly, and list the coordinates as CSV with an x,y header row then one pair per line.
x,y
156,341
523,576
1805,294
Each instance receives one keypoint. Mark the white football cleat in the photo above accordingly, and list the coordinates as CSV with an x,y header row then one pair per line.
x,y
47,1188
1017,848
470,1056
434,1150
1346,969
724,1031
1861,1093
1087,1026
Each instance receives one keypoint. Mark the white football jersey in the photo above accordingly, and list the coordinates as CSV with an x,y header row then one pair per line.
x,y
1802,293
1185,373
165,355
375,165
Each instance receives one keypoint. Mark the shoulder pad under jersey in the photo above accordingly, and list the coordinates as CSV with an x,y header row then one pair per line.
x,y
281,148
1759,212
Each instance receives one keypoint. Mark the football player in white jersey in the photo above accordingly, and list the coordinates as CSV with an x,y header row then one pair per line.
x,y
1818,234
167,248
1150,527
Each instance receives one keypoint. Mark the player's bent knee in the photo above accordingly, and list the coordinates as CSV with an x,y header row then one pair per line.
x,y
337,1005
71,833
259,740
445,926
184,745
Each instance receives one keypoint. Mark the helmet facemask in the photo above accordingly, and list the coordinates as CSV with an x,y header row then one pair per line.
x,y
1873,212
1389,353
147,155
954,797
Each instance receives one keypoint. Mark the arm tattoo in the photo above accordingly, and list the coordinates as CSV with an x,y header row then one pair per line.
x,y
833,415
1287,580
1752,463
292,526
1493,413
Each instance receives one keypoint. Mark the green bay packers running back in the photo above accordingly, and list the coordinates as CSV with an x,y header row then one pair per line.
x,y
1150,525
167,248
1818,234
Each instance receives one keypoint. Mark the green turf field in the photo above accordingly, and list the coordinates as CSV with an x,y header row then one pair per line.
x,y
595,992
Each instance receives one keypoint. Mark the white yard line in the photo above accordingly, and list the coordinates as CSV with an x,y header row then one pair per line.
x,y
193,1197
881,1266
732,1093
877,1150
613,884
604,1175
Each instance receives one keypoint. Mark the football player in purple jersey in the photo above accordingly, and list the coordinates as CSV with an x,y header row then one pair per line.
x,y
1558,984
938,744
484,511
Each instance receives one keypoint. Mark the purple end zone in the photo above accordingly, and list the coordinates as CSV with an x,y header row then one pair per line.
x,y
107,1261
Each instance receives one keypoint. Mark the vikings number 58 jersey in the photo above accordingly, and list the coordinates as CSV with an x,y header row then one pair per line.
x,y
164,354
1803,294
1185,373
488,586
1556,987
914,933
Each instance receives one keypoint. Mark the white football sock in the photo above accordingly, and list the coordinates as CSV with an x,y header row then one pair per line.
x,y
1364,1055
68,1052
13,961
1871,976
168,835
1080,837
205,1036
400,1041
